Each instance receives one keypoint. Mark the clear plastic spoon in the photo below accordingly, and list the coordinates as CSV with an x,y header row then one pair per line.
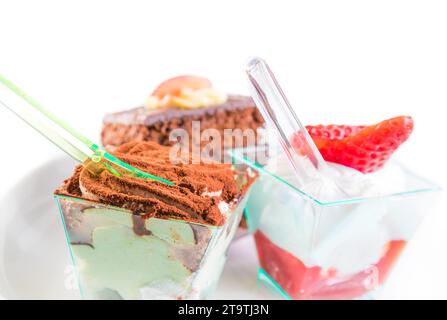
x,y
278,113
92,157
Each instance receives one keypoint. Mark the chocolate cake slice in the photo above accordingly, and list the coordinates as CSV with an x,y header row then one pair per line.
x,y
143,124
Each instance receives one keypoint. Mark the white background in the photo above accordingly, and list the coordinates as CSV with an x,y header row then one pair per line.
x,y
352,62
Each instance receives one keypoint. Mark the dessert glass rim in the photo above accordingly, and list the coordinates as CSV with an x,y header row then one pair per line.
x,y
240,155
81,200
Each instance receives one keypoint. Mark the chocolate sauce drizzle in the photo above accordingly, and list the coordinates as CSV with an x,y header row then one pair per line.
x,y
139,226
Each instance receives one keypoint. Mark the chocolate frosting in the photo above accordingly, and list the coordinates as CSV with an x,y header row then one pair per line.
x,y
142,115
198,190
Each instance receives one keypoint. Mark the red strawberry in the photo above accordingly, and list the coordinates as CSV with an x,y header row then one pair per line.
x,y
311,282
365,148
333,131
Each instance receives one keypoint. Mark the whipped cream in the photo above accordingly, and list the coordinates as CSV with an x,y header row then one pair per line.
x,y
340,182
188,99
347,237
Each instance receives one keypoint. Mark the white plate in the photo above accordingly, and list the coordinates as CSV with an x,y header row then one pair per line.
x,y
35,264
34,258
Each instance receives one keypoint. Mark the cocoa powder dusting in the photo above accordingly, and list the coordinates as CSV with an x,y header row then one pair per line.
x,y
148,198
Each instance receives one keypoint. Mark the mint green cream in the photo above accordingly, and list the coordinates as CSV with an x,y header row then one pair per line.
x,y
157,259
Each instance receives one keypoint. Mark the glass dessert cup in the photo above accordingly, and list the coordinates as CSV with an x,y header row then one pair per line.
x,y
120,255
333,249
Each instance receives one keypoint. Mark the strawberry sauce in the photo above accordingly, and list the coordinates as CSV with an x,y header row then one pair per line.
x,y
302,282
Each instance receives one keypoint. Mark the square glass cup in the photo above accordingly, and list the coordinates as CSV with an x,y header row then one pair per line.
x,y
336,248
119,255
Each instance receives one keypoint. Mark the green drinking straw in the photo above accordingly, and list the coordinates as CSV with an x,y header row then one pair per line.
x,y
74,142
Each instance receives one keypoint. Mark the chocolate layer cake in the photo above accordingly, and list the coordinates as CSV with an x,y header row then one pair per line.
x,y
237,112
203,193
